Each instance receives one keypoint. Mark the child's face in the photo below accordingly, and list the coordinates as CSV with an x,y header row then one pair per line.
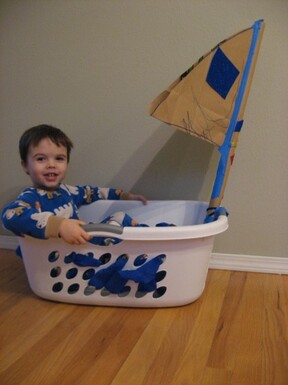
x,y
46,164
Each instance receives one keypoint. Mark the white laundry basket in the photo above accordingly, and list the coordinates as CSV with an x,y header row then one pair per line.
x,y
179,256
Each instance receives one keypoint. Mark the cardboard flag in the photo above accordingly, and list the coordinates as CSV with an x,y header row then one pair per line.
x,y
208,100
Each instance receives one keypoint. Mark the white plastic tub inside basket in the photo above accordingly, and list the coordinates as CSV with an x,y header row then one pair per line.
x,y
182,255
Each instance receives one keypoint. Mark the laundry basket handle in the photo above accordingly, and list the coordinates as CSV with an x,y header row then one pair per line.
x,y
103,227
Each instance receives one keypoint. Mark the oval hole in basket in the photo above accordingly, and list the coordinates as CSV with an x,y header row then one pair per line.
x,y
159,292
71,273
160,275
89,290
55,272
53,256
105,258
140,259
163,257
105,292
125,291
72,289
140,294
69,258
57,287
88,274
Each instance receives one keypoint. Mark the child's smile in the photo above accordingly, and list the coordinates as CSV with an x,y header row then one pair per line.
x,y
46,164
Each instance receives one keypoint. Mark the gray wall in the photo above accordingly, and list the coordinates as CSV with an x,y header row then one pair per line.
x,y
92,67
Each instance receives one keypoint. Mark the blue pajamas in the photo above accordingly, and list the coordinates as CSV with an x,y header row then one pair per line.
x,y
30,212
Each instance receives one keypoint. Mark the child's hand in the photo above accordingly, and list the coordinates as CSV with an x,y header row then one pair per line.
x,y
71,231
133,197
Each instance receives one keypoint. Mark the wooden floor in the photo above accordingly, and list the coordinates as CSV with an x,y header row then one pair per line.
x,y
236,333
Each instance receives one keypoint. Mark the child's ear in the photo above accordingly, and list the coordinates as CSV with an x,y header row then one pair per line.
x,y
24,166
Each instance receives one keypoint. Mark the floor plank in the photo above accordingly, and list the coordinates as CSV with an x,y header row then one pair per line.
x,y
235,334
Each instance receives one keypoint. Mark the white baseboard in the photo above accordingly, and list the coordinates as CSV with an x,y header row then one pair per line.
x,y
253,263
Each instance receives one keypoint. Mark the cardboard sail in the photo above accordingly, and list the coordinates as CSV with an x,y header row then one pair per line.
x,y
209,99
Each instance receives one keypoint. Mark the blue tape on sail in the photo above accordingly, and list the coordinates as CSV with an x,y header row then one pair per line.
x,y
222,74
239,98
224,151
239,125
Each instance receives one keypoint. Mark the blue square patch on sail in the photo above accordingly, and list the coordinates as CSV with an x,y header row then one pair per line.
x,y
221,74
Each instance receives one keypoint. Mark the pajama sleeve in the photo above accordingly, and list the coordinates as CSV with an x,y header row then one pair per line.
x,y
22,217
25,216
83,195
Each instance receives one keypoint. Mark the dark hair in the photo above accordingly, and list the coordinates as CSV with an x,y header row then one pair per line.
x,y
34,135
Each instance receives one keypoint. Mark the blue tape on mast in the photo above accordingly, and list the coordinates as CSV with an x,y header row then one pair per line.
x,y
225,148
